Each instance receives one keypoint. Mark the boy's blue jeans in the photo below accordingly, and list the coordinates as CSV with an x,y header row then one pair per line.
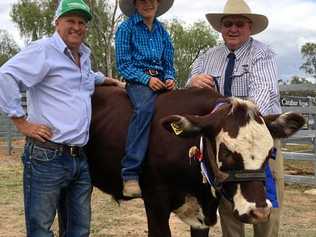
x,y
54,181
143,100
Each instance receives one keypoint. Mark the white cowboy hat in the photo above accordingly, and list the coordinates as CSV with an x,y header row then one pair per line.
x,y
238,7
128,7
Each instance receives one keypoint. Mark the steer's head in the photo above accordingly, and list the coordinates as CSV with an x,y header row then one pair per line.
x,y
238,140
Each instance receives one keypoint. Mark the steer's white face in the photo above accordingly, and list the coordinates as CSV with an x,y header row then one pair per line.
x,y
253,143
248,151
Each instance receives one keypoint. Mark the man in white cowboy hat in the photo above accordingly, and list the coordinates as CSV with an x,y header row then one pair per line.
x,y
144,58
56,72
243,67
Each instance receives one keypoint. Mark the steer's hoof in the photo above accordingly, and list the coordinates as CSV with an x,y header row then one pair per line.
x,y
131,189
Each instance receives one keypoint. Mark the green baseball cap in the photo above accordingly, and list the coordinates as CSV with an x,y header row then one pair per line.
x,y
68,6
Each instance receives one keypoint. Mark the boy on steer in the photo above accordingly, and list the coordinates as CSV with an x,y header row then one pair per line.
x,y
56,72
144,57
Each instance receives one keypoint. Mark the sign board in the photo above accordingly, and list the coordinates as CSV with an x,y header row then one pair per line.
x,y
300,102
295,101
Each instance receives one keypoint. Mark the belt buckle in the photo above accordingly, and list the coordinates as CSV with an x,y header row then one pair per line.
x,y
73,151
153,72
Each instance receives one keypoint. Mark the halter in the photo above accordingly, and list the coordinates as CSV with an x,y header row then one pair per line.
x,y
217,178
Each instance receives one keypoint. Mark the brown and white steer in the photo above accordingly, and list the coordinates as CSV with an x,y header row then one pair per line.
x,y
238,142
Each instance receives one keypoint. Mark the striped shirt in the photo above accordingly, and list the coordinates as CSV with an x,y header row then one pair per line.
x,y
139,49
58,91
255,75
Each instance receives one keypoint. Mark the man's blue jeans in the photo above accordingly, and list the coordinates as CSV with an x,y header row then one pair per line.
x,y
143,100
54,181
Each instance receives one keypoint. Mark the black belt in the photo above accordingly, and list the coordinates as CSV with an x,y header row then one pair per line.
x,y
74,151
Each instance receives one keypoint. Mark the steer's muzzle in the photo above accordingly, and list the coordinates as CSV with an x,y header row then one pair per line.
x,y
255,216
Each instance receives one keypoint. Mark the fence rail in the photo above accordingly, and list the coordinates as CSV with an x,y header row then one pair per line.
x,y
302,156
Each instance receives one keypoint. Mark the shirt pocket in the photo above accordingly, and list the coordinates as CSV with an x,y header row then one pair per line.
x,y
241,82
89,83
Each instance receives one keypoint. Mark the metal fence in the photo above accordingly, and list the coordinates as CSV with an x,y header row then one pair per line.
x,y
307,135
9,133
302,137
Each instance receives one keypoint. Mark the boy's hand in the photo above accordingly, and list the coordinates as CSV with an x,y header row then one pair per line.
x,y
155,84
170,84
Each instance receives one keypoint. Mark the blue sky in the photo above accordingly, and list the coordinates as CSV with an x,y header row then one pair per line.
x,y
291,24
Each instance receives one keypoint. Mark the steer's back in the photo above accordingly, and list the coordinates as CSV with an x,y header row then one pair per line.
x,y
167,163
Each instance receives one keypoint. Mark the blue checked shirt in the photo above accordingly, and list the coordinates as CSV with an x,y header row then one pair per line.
x,y
138,49
58,91
255,75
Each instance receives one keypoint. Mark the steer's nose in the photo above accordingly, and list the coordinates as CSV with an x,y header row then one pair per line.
x,y
260,214
255,216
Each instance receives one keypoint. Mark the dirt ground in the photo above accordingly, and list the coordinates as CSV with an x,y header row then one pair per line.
x,y
128,219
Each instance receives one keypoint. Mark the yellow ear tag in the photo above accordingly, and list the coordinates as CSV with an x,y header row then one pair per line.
x,y
177,130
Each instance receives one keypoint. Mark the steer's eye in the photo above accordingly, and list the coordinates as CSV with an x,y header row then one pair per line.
x,y
229,160
226,153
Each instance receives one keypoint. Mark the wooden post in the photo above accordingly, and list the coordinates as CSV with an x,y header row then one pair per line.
x,y
9,137
314,150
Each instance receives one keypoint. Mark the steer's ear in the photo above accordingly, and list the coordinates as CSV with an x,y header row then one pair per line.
x,y
284,125
180,125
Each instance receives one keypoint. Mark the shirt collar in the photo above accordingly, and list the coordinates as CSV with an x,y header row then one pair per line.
x,y
62,47
240,51
137,18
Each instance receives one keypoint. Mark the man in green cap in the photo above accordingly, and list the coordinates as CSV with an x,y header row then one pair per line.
x,y
57,74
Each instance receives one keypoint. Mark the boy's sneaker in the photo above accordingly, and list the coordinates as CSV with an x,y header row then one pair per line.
x,y
131,189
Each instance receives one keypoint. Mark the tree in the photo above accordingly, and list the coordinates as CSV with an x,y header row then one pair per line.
x,y
8,47
34,18
308,51
299,80
189,41
101,34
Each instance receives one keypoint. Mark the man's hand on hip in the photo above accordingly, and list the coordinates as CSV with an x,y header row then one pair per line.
x,y
37,131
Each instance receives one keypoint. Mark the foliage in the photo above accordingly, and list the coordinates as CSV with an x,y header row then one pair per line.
x,y
308,52
299,80
101,34
189,41
34,18
8,47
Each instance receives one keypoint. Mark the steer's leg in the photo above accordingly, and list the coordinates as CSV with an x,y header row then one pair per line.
x,y
158,213
199,232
